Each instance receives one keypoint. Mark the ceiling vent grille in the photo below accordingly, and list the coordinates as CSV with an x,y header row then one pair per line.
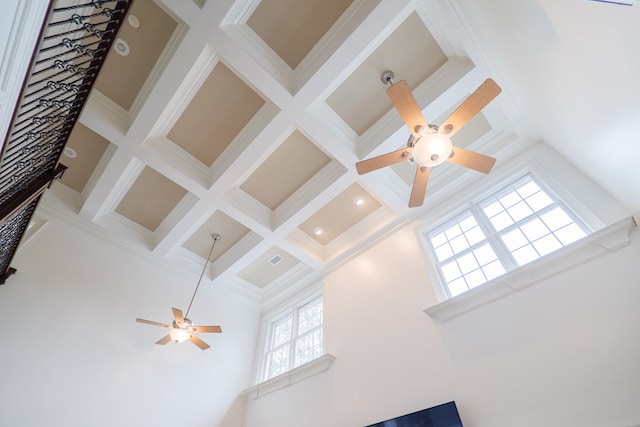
x,y
275,259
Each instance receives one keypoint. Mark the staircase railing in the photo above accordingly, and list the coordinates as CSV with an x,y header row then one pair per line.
x,y
73,44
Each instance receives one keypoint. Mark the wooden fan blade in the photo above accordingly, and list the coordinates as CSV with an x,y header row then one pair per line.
x,y
472,160
419,187
405,103
151,322
197,341
214,329
375,163
470,107
165,339
177,315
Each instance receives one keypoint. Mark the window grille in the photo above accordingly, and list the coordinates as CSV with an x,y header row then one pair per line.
x,y
510,228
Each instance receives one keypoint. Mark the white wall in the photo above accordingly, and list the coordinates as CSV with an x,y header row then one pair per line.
x,y
73,355
564,352
20,23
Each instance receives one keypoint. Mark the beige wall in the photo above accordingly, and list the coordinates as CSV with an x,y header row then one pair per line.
x,y
73,355
561,353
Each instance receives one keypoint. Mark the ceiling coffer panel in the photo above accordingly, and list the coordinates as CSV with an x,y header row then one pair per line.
x,y
343,212
268,267
150,199
220,109
140,43
291,28
410,52
83,152
231,231
293,163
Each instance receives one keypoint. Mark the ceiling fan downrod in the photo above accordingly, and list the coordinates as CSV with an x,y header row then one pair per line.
x,y
215,237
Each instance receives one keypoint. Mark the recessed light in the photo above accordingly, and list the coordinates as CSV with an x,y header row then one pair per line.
x,y
358,201
121,47
318,231
70,152
133,21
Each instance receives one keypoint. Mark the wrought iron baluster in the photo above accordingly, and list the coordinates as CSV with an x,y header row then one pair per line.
x,y
73,44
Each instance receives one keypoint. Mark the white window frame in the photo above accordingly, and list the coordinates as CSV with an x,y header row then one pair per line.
x,y
293,311
493,236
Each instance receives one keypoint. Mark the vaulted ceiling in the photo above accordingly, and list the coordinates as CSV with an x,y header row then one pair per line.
x,y
246,118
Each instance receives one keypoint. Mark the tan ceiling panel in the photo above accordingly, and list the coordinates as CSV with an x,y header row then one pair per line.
x,y
229,229
340,214
294,162
293,27
410,52
122,77
268,267
223,105
89,148
406,171
150,199
473,130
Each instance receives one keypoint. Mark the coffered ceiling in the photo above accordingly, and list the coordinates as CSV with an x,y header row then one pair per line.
x,y
246,118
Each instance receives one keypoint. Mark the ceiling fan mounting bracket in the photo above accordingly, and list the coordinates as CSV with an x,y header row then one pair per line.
x,y
186,324
411,141
447,129
387,77
430,129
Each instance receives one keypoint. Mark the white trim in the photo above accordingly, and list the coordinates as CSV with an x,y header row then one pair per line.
x,y
600,243
305,194
330,42
36,224
295,375
106,118
23,20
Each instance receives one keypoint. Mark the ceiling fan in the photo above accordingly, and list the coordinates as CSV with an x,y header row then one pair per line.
x,y
430,145
182,328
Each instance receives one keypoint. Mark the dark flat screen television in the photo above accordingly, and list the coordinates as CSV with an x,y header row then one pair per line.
x,y
445,415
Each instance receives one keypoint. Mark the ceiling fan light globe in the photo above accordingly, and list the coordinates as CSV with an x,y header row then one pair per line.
x,y
179,335
432,149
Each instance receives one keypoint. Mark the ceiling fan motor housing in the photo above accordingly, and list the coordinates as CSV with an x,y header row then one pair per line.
x,y
431,148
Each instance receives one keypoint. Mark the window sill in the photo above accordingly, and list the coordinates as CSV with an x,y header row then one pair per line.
x,y
595,245
291,377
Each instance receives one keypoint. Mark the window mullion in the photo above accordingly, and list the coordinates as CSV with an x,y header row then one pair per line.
x,y
502,252
275,349
525,220
294,337
309,332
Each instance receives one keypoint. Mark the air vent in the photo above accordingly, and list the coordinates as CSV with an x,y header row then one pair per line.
x,y
275,259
